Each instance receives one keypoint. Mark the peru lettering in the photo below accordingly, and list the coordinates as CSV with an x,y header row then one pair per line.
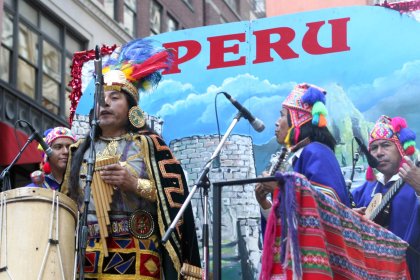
x,y
263,45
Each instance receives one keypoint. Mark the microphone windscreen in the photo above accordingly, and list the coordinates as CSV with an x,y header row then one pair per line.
x,y
37,177
258,125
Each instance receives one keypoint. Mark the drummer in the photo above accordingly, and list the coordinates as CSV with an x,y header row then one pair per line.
x,y
52,168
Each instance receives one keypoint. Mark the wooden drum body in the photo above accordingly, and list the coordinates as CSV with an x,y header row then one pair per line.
x,y
37,234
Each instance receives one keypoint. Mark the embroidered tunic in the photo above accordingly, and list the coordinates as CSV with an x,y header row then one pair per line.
x,y
134,245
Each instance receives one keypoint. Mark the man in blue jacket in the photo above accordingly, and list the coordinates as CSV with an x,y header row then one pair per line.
x,y
389,142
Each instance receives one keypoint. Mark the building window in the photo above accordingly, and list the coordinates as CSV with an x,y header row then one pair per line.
x,y
189,2
27,61
51,77
155,17
6,47
172,24
234,4
44,52
109,8
130,16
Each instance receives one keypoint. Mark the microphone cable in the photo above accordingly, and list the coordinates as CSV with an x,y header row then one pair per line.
x,y
16,128
354,161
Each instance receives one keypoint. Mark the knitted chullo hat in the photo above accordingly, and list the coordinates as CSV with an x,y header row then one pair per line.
x,y
396,131
305,103
50,135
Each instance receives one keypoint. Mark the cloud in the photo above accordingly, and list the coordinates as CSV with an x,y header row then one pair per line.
x,y
167,92
403,103
186,112
395,95
366,96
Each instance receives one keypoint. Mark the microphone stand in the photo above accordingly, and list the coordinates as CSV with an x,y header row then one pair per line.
x,y
83,230
203,182
354,161
5,175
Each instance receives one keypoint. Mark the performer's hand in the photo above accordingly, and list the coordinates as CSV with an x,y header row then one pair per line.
x,y
262,190
360,210
410,173
119,176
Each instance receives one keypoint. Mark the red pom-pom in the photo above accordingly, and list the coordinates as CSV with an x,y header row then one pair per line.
x,y
47,168
398,123
410,150
370,176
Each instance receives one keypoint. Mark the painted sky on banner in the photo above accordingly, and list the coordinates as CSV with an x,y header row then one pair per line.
x,y
380,73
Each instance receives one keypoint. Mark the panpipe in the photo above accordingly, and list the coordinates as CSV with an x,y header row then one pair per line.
x,y
191,272
102,197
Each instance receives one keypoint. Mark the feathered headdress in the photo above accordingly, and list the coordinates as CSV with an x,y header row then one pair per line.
x,y
140,62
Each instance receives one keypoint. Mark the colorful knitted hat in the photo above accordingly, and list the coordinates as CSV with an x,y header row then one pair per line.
x,y
306,102
50,135
396,131
58,132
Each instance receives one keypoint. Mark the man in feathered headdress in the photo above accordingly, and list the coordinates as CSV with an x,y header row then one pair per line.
x,y
389,142
148,182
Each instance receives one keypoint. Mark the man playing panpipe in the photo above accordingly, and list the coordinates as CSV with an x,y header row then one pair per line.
x,y
147,182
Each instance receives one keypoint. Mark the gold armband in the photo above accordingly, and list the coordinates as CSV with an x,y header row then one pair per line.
x,y
146,189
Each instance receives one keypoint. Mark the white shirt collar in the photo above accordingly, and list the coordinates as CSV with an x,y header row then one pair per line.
x,y
381,178
295,155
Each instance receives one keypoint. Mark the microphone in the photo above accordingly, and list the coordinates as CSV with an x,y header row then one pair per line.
x,y
47,149
38,178
99,77
257,124
372,161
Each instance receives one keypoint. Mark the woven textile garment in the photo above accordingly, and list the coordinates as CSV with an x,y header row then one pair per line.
x,y
311,236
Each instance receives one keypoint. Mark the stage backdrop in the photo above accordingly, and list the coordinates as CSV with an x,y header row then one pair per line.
x,y
367,58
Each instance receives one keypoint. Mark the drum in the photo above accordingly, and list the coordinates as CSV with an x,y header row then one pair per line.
x,y
37,234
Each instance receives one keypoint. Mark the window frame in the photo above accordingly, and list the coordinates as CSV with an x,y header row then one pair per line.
x,y
134,11
41,36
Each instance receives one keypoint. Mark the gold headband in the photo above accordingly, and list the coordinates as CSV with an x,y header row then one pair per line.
x,y
116,80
